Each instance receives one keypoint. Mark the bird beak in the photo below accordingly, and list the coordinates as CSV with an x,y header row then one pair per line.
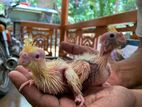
x,y
24,59
122,40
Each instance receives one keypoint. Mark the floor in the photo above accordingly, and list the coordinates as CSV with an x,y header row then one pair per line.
x,y
13,99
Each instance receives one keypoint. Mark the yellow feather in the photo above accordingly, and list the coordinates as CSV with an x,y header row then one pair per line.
x,y
29,45
111,28
47,75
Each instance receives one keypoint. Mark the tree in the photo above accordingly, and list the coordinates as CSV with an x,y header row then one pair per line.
x,y
90,9
81,10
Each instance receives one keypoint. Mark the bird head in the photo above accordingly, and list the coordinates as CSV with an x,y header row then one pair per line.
x,y
110,41
30,53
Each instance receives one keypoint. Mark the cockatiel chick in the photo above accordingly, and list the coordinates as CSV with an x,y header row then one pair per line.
x,y
109,41
99,62
53,77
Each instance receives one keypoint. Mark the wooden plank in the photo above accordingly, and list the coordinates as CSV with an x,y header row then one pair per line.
x,y
38,24
125,29
130,16
132,28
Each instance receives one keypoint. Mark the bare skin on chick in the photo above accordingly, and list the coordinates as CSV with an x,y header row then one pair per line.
x,y
53,77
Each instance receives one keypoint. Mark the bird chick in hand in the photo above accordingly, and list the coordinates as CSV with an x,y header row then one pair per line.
x,y
53,77
100,64
57,76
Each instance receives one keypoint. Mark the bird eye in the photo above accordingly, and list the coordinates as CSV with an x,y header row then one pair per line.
x,y
111,35
37,56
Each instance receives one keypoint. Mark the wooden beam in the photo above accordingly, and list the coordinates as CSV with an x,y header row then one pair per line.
x,y
125,17
38,24
64,18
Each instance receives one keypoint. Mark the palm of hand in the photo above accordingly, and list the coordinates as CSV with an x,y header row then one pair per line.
x,y
99,99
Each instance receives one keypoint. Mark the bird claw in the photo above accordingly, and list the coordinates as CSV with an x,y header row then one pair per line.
x,y
79,100
106,84
29,82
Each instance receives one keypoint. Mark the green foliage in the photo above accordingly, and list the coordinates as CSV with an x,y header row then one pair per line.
x,y
90,9
126,7
33,2
82,10
2,9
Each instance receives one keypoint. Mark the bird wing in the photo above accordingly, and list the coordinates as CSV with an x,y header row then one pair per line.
x,y
82,69
73,80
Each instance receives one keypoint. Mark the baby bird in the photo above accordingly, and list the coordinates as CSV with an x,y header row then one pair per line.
x,y
99,62
53,77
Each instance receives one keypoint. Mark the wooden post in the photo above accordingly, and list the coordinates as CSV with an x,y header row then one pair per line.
x,y
64,22
64,18
99,31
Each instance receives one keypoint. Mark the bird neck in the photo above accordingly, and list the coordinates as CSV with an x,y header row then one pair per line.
x,y
102,75
103,60
38,68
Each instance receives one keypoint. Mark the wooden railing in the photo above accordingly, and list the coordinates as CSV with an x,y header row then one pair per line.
x,y
87,33
83,33
44,35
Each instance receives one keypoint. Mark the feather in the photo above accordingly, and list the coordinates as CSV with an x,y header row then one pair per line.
x,y
111,28
29,45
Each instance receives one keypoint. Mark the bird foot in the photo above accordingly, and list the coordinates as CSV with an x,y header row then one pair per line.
x,y
106,84
79,100
29,82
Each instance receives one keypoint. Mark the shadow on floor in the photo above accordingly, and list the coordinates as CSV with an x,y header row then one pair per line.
x,y
13,99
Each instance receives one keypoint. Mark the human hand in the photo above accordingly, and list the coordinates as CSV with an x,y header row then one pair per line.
x,y
33,95
113,96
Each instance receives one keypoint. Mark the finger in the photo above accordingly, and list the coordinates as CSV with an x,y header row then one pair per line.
x,y
32,94
24,71
18,78
67,102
